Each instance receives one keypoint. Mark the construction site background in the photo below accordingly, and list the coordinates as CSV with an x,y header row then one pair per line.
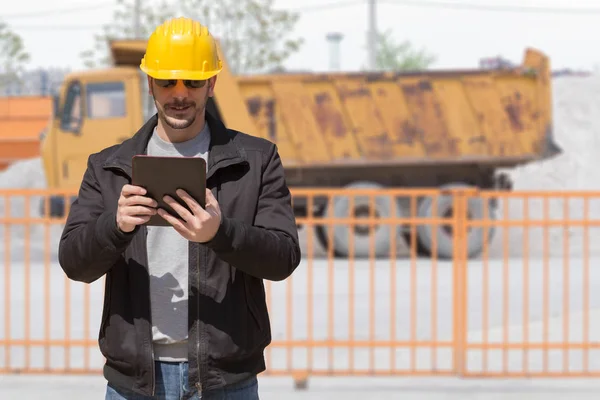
x,y
525,309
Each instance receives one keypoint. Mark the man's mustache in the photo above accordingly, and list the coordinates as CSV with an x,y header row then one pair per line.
x,y
180,104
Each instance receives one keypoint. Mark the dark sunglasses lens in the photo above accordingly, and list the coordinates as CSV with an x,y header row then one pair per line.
x,y
165,82
194,83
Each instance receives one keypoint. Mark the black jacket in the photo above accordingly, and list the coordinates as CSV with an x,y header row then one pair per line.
x,y
229,325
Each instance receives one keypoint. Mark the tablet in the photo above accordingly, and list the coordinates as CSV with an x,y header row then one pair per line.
x,y
162,176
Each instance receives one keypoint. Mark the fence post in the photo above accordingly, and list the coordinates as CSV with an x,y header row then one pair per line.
x,y
459,265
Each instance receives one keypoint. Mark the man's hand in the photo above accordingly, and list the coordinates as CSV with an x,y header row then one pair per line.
x,y
201,224
134,208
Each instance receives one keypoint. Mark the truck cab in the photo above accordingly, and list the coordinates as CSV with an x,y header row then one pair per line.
x,y
94,110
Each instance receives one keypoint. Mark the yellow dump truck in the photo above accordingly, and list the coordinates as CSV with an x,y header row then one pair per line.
x,y
422,129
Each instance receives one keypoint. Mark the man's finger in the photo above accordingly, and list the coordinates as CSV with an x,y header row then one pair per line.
x,y
175,222
129,190
136,220
210,198
139,210
178,208
190,201
140,200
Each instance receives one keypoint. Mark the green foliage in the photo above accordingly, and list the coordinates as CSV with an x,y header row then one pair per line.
x,y
253,35
13,56
393,56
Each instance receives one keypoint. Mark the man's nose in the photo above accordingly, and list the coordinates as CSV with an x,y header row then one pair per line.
x,y
179,90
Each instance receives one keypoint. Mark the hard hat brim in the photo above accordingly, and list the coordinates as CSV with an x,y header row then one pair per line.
x,y
182,74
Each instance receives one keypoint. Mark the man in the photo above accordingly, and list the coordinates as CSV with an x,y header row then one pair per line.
x,y
184,311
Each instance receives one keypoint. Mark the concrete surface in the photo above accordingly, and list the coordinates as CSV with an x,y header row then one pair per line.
x,y
92,388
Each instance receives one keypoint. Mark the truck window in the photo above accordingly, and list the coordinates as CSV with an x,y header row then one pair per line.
x,y
105,100
148,107
71,115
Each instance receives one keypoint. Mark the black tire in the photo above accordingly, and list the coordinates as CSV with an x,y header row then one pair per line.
x,y
339,208
445,243
56,205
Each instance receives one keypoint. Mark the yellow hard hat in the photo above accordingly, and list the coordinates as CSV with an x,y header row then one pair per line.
x,y
181,48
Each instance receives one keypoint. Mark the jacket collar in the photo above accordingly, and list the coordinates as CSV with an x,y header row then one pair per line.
x,y
223,150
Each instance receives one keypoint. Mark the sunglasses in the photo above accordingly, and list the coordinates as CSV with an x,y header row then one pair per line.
x,y
189,83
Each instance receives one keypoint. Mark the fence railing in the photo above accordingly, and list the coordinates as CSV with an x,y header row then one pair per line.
x,y
464,283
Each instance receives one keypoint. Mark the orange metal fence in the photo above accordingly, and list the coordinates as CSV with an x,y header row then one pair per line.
x,y
511,291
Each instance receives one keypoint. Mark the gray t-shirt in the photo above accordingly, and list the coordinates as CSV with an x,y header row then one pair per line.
x,y
168,264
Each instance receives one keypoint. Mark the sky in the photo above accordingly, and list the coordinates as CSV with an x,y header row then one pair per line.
x,y
568,31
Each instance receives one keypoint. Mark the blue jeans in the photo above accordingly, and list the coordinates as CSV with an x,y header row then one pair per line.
x,y
172,384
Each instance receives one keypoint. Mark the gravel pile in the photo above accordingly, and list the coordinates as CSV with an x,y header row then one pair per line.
x,y
576,129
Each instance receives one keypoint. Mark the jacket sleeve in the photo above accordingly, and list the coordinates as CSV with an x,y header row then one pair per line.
x,y
91,241
268,249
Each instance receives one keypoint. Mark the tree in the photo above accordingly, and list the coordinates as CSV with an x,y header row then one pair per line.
x,y
400,56
253,35
13,57
122,27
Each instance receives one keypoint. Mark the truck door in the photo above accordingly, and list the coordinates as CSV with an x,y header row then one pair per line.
x,y
96,113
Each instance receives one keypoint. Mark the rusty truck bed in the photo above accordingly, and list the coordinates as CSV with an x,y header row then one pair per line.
x,y
490,117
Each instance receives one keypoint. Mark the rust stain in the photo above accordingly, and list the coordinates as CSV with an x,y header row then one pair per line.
x,y
427,124
349,93
409,133
382,142
271,119
478,139
381,146
262,112
254,105
520,111
514,116
327,116
514,109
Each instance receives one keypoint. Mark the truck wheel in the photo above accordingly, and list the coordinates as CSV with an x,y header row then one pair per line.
x,y
445,245
56,205
339,208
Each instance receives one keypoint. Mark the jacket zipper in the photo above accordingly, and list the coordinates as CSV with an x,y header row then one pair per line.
x,y
199,333
145,231
202,260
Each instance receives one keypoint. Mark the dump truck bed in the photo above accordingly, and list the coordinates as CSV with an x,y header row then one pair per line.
x,y
499,117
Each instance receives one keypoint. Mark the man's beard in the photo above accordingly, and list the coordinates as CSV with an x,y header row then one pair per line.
x,y
177,123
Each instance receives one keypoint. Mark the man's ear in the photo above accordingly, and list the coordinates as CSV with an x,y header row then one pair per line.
x,y
211,85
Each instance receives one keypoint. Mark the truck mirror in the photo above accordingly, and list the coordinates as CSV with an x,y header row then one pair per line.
x,y
56,106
